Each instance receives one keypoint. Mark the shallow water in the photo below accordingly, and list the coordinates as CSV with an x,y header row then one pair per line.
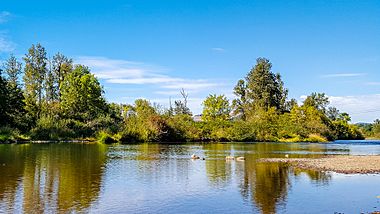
x,y
160,178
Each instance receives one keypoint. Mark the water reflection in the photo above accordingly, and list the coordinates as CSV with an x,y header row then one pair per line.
x,y
50,178
267,184
154,177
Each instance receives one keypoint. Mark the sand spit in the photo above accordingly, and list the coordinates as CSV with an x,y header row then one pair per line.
x,y
341,164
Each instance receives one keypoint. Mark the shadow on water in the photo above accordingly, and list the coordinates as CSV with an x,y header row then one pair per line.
x,y
50,178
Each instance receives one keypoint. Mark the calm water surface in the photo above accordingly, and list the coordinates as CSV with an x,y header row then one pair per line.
x,y
160,178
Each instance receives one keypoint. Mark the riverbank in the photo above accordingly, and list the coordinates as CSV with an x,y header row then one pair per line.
x,y
342,164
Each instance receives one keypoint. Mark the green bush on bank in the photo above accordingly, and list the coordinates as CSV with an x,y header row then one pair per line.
x,y
10,135
105,137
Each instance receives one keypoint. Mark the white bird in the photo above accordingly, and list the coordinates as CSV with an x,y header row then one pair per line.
x,y
240,158
230,158
193,156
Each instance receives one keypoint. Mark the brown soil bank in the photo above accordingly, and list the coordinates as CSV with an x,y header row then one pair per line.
x,y
341,164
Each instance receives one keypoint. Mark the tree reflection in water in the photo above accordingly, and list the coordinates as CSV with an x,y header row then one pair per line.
x,y
50,178
69,177
265,184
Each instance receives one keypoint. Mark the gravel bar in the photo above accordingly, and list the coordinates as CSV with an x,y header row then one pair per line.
x,y
341,164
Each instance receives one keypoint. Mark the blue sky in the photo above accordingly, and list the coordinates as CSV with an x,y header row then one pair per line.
x,y
151,49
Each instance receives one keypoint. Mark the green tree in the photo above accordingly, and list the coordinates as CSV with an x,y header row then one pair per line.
x,y
216,108
61,66
82,95
266,88
50,86
289,105
332,113
143,108
317,100
345,117
262,88
12,68
376,128
3,100
34,80
15,95
240,103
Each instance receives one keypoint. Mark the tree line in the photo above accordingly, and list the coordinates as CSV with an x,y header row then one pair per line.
x,y
54,99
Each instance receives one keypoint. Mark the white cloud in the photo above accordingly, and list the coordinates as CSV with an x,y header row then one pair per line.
x,y
106,68
5,44
191,84
362,108
373,83
145,80
4,15
129,72
218,49
343,75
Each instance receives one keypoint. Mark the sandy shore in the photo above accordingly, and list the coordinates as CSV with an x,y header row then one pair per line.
x,y
341,164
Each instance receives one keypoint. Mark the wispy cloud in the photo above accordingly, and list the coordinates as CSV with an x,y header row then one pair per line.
x,y
130,72
362,108
5,44
218,49
343,75
4,16
373,83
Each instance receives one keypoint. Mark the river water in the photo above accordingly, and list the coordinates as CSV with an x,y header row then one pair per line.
x,y
161,178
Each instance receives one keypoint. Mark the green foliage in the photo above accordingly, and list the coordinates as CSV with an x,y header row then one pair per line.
x,y
265,89
15,97
345,131
82,95
216,108
11,135
105,137
318,101
240,104
376,129
34,79
61,101
4,98
48,128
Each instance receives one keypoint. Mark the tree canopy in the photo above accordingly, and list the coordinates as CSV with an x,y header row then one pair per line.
x,y
59,100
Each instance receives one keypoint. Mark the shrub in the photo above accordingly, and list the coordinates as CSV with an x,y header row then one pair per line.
x,y
49,128
315,138
105,137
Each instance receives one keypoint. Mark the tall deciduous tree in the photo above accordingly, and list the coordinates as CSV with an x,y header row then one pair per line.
x,y
82,95
61,66
216,108
34,79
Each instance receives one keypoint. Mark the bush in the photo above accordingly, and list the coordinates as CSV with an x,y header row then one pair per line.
x,y
11,135
104,137
129,137
315,138
49,128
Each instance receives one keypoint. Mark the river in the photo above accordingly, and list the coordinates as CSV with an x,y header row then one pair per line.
x,y
161,178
